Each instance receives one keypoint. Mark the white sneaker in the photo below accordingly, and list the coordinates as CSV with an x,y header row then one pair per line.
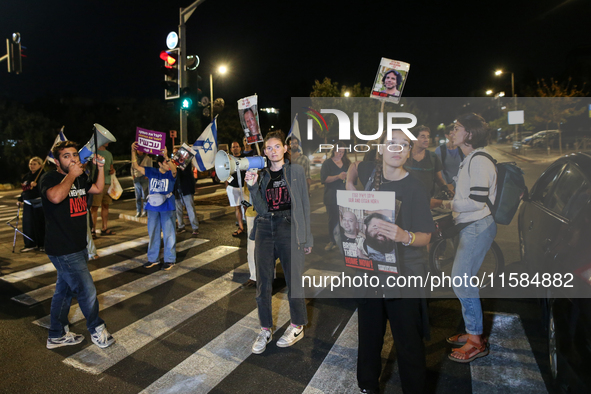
x,y
260,344
68,339
101,337
291,336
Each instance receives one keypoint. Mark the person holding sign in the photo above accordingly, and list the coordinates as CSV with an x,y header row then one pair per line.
x,y
280,198
410,233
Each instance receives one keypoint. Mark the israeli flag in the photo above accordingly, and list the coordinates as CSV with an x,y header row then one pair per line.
x,y
295,130
60,137
206,147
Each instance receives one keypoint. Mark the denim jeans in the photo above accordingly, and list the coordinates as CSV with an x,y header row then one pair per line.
x,y
73,277
141,193
273,240
187,202
161,221
475,241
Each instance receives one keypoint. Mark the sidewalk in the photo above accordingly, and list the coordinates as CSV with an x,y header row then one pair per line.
x,y
532,155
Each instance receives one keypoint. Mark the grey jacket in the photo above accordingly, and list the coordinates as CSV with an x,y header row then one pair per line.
x,y
300,202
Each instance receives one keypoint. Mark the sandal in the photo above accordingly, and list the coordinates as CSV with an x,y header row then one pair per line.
x,y
237,232
107,232
475,351
455,340
93,233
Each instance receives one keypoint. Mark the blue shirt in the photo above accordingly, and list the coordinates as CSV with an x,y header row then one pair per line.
x,y
160,183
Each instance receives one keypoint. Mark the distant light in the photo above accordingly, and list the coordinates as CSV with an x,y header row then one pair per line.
x,y
222,69
501,94
172,40
347,94
167,58
503,107
270,110
489,92
498,72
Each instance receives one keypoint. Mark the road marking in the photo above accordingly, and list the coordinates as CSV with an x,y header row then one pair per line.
x,y
44,293
140,333
49,267
138,286
511,365
207,367
320,210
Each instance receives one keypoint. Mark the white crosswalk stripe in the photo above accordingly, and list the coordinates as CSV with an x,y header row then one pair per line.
x,y
49,267
44,293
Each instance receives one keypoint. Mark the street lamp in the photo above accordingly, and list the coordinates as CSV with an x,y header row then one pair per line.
x,y
489,92
500,72
347,94
222,70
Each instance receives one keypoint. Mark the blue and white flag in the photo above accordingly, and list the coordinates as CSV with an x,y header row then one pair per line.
x,y
60,137
206,147
295,130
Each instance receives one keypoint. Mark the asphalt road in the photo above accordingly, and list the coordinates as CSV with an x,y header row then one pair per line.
x,y
190,329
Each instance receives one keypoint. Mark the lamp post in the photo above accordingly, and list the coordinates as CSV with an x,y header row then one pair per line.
x,y
222,70
500,72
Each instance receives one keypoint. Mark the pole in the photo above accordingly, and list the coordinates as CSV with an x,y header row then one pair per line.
x,y
182,77
42,166
211,95
514,100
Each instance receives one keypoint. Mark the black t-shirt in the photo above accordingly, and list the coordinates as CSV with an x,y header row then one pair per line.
x,y
278,198
415,213
29,193
65,223
329,168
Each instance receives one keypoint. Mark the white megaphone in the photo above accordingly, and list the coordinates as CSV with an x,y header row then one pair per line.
x,y
226,165
102,137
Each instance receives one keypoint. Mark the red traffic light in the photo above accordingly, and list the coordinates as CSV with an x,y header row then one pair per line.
x,y
168,58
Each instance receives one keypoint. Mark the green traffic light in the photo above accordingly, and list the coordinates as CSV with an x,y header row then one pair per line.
x,y
186,103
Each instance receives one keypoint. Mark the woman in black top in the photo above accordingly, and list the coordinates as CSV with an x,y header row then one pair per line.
x,y
411,232
30,200
333,175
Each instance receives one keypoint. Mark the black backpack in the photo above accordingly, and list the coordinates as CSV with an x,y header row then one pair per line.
x,y
510,189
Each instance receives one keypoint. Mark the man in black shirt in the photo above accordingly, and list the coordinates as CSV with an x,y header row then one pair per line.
x,y
234,192
63,194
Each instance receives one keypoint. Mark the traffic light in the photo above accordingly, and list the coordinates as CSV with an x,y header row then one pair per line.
x,y
13,49
186,99
171,73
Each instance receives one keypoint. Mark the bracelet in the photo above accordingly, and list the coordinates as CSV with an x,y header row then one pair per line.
x,y
411,237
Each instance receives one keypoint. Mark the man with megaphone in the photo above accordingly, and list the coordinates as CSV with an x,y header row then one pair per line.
x,y
63,195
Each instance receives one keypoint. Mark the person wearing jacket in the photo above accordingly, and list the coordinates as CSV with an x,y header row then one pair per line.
x,y
280,198
30,199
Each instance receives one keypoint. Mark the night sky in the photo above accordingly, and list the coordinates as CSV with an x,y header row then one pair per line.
x,y
106,49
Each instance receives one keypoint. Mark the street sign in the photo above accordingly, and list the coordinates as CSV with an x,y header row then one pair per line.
x,y
516,117
172,133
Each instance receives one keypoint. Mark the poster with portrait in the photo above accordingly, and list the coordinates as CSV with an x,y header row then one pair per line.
x,y
183,156
249,118
365,222
390,80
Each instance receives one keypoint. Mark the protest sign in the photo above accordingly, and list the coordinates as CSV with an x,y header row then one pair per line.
x,y
150,141
390,80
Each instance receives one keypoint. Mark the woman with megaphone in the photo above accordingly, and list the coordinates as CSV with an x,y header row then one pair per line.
x,y
280,198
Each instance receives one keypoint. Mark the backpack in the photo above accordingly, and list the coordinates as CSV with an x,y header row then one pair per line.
x,y
510,189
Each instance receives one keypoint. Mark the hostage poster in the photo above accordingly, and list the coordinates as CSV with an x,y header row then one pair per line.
x,y
390,80
249,118
365,223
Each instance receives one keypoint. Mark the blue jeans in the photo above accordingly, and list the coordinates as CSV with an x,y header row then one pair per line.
x,y
141,193
273,240
475,241
161,221
73,277
187,202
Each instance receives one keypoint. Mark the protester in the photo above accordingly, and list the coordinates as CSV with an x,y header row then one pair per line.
x,y
63,193
280,198
333,175
297,157
140,183
406,312
425,164
450,157
234,192
103,200
161,208
30,200
477,180
184,190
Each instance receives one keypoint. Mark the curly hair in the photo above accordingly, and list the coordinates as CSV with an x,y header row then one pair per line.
x,y
60,146
477,129
398,77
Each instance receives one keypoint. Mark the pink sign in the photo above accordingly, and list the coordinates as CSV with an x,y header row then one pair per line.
x,y
150,141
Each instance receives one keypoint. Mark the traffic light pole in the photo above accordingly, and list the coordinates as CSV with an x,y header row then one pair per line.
x,y
184,15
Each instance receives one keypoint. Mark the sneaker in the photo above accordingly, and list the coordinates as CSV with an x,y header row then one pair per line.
x,y
291,336
260,344
150,264
144,214
180,230
101,337
138,214
330,246
249,283
167,266
25,250
68,339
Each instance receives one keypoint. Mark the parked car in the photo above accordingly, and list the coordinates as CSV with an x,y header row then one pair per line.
x,y
554,225
123,173
539,138
318,157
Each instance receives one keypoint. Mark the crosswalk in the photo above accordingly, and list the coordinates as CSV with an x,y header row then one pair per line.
x,y
210,275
